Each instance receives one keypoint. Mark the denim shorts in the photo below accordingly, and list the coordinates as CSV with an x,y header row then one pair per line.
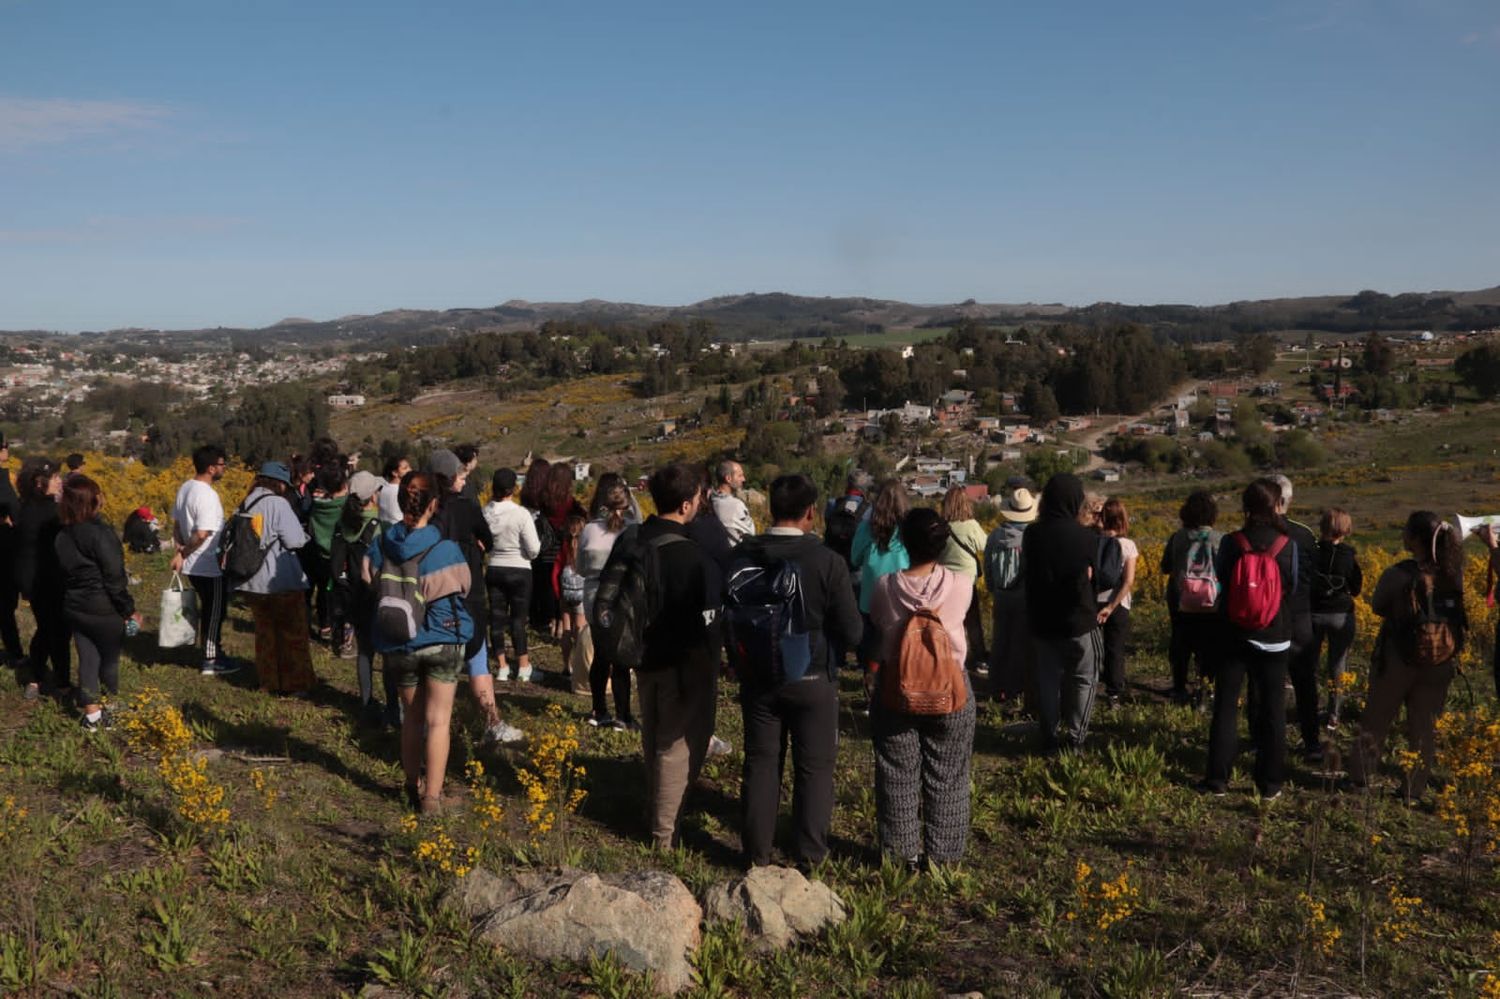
x,y
438,663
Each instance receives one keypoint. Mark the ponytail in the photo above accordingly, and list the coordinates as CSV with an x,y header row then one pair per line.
x,y
1439,549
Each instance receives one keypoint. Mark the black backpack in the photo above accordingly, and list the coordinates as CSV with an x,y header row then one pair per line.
x,y
548,543
629,596
241,552
767,621
1109,567
840,525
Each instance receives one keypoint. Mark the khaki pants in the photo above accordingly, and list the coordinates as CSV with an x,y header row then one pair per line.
x,y
1423,692
677,719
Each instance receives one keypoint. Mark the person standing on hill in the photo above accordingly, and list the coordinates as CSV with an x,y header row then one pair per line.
x,y
1337,581
353,598
1012,656
96,600
611,504
922,760
1257,618
877,550
39,576
394,471
1302,667
428,659
964,555
1193,588
10,597
1114,604
677,676
1422,631
197,519
277,591
1060,554
803,710
469,455
729,479
507,574
330,489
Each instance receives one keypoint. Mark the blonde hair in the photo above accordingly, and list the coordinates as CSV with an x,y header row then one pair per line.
x,y
957,505
1336,523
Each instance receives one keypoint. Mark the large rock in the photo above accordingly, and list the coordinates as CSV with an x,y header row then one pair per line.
x,y
776,904
648,920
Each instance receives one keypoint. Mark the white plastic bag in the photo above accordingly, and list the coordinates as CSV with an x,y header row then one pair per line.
x,y
179,616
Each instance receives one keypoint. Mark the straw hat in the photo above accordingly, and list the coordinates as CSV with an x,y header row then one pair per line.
x,y
1019,507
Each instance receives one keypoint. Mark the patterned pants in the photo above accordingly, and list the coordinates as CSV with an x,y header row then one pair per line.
x,y
283,660
923,762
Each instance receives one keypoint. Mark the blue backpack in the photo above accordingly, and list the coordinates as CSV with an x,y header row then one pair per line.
x,y
767,622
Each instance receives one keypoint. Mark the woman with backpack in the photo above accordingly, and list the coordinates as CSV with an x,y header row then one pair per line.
x,y
1336,581
1257,567
1421,603
612,510
922,704
876,551
1114,603
965,556
96,600
38,576
276,590
352,598
575,655
1189,560
421,627
1012,656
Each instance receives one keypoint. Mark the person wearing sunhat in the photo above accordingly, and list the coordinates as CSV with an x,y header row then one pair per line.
x,y
283,658
1012,663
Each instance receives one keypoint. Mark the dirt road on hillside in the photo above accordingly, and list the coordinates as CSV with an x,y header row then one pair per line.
x,y
1105,425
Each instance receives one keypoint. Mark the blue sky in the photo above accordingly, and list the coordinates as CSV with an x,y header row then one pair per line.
x,y
219,163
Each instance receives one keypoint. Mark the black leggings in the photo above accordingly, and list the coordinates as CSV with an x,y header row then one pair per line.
x,y
213,605
50,641
98,637
1116,633
510,605
603,672
10,635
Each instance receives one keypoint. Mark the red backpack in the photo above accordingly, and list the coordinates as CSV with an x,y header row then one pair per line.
x,y
1254,592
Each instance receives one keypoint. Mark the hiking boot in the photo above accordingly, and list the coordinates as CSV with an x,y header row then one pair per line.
x,y
218,667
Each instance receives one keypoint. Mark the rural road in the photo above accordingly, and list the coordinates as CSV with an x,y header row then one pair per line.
x,y
1093,440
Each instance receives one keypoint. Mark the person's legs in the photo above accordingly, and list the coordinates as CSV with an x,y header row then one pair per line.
x,y
1268,670
978,655
1051,661
1179,652
499,622
947,746
413,730
436,713
1114,633
1340,641
294,651
212,606
1388,690
483,687
1223,731
599,671
813,717
666,746
760,775
620,685
10,634
519,594
1079,683
898,783
88,668
267,669
1424,703
1302,665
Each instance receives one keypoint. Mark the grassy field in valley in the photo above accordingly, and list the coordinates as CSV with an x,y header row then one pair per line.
x,y
1097,874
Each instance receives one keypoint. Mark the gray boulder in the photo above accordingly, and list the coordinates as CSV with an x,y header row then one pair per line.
x,y
648,920
776,905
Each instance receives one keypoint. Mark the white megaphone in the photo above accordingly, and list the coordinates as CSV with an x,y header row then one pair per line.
x,y
1468,525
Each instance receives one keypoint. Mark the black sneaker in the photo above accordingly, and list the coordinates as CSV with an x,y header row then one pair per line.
x,y
1211,787
601,721
104,721
218,667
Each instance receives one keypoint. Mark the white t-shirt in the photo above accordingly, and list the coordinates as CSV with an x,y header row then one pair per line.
x,y
198,509
1128,553
390,506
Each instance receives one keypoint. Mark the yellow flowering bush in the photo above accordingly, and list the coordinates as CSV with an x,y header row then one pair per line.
x,y
1401,915
550,777
12,816
128,484
482,797
1321,934
260,780
154,727
1099,904
440,852
1468,747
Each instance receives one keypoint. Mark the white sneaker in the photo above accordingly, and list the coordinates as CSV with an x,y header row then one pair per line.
x,y
718,747
523,675
502,733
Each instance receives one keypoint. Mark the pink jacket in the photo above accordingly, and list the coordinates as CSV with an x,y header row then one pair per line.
x,y
898,595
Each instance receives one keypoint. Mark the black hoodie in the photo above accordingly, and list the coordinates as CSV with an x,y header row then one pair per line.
x,y
1059,555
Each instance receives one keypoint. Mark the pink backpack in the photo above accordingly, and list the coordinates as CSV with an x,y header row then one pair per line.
x,y
1254,591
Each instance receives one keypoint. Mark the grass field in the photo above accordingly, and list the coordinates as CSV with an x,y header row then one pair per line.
x,y
314,883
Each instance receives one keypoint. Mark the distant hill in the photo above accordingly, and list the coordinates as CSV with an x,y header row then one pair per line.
x,y
775,315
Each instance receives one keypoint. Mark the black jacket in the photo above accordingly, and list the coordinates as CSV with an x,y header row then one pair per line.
x,y
462,521
1287,560
1337,578
93,570
827,593
679,636
1307,550
711,535
1059,554
37,574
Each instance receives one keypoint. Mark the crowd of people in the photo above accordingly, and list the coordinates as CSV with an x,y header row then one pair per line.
x,y
409,573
